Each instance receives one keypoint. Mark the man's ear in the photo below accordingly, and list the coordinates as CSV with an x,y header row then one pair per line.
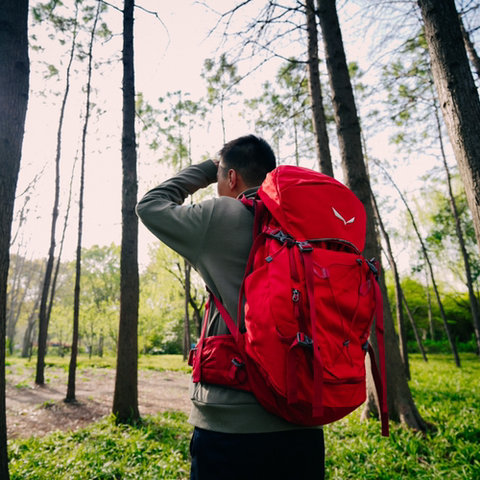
x,y
232,179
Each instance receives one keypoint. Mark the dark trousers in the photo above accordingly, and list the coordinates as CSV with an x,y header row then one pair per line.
x,y
292,455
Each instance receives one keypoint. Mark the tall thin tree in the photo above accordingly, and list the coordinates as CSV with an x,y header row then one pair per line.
x,y
457,93
316,98
474,307
470,48
400,400
125,400
429,306
43,318
402,337
399,297
414,328
61,243
426,256
16,297
14,84
186,323
70,397
221,78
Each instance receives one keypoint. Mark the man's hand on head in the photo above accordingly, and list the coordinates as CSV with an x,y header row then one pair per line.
x,y
216,161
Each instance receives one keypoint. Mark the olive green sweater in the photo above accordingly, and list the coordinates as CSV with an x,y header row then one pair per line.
x,y
215,236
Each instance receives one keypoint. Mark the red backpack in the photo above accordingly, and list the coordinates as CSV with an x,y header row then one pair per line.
x,y
308,300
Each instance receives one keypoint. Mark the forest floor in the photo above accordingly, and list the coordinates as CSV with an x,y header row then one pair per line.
x,y
36,411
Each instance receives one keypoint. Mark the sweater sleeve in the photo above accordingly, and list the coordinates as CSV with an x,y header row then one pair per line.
x,y
181,227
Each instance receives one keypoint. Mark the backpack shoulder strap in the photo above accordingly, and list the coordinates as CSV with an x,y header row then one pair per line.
x,y
258,210
231,325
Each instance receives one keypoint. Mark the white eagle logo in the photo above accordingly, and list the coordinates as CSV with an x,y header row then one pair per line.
x,y
345,222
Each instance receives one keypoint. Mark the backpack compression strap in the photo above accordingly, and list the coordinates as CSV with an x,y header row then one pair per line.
x,y
379,377
317,407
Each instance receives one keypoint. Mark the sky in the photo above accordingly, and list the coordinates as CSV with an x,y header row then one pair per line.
x,y
170,49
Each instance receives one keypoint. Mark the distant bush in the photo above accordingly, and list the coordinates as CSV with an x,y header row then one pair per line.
x,y
442,346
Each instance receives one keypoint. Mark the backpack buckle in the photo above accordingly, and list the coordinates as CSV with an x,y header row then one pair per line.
x,y
295,295
237,371
283,238
238,363
372,264
304,246
304,340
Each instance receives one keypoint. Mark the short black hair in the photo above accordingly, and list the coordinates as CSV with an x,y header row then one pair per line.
x,y
250,156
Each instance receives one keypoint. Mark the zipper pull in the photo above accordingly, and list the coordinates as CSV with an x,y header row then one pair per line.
x,y
295,295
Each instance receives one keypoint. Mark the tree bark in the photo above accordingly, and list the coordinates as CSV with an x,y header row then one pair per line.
x,y
400,401
316,98
125,401
187,341
470,48
14,85
429,307
457,93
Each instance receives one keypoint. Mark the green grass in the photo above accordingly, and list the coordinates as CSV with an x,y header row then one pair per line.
x,y
163,362
156,449
447,397
145,362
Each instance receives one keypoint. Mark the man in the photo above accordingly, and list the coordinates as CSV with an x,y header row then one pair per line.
x,y
234,437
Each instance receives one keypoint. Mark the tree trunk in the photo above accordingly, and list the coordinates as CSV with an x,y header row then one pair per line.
x,y
197,316
402,337
450,338
457,93
429,307
461,239
100,344
414,328
72,368
316,99
399,296
43,316
62,243
125,401
32,318
470,48
31,322
187,341
14,84
15,299
400,401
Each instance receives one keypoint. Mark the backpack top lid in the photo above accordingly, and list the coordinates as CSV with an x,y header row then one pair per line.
x,y
309,205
